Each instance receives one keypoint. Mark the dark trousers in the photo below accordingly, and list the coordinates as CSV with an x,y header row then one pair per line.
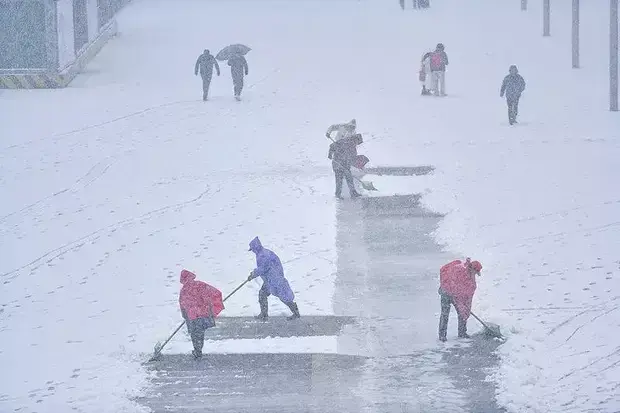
x,y
196,329
263,295
238,85
340,172
446,302
206,83
513,108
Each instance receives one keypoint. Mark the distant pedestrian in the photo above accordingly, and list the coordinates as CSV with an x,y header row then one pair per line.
x,y
439,61
200,303
269,268
457,285
205,64
238,68
512,86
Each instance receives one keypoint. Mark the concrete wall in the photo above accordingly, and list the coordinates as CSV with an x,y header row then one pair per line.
x,y
45,43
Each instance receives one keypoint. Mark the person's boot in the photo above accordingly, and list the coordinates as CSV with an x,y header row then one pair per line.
x,y
264,311
293,307
463,329
355,194
197,354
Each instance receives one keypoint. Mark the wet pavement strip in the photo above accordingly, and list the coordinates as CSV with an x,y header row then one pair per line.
x,y
386,313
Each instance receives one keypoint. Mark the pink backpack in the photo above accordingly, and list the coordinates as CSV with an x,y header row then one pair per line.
x,y
436,61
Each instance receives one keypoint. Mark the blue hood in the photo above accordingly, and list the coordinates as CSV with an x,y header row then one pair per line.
x,y
255,245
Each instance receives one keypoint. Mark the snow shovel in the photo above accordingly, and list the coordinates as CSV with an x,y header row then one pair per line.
x,y
159,346
490,329
359,160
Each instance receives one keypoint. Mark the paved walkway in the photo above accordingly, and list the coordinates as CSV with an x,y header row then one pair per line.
x,y
389,358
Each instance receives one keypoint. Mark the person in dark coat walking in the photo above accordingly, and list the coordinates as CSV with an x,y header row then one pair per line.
x,y
343,153
238,68
269,268
205,64
512,86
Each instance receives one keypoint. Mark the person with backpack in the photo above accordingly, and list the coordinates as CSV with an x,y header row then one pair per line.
x,y
512,86
439,61
205,64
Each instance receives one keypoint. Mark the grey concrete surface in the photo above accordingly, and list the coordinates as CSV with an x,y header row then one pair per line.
x,y
277,326
389,359
400,170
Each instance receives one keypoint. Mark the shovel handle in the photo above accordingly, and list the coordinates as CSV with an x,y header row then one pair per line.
x,y
235,290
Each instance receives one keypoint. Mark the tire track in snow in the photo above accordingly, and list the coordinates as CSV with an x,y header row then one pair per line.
x,y
80,242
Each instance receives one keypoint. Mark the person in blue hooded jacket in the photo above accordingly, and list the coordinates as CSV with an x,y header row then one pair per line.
x,y
269,268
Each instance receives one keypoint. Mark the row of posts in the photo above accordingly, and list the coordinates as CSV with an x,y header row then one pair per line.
x,y
613,42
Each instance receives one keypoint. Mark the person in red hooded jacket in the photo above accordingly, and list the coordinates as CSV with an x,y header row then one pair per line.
x,y
457,285
200,303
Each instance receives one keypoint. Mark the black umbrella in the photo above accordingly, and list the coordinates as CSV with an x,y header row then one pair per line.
x,y
232,50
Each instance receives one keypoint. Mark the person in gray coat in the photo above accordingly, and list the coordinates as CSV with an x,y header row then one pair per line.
x,y
238,67
512,86
205,64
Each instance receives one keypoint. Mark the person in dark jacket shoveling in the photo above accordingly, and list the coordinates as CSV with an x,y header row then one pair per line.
x,y
457,286
269,268
343,153
200,303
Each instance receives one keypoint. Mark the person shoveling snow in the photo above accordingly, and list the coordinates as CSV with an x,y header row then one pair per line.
x,y
457,281
200,303
269,268
343,154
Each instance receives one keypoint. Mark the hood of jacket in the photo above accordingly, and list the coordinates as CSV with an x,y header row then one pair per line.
x,y
187,276
255,245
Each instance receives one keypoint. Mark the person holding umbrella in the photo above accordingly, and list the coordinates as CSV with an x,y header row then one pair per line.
x,y
234,54
269,268
238,67
205,63
457,286
200,303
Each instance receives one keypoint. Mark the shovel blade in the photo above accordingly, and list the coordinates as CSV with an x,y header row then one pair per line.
x,y
493,330
367,185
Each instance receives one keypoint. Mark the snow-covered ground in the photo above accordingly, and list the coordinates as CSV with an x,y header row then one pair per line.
x,y
112,186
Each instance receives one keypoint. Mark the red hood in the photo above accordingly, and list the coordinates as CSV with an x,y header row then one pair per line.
x,y
187,276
